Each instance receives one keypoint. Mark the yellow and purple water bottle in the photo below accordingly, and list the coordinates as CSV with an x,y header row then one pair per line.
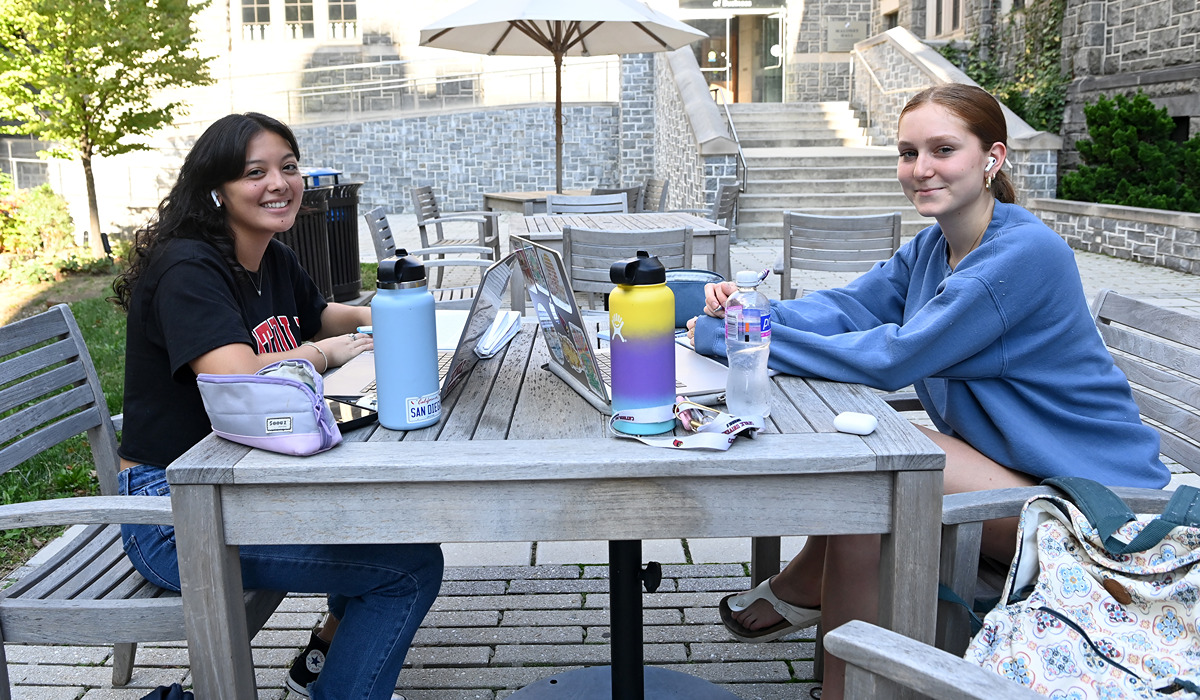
x,y
641,323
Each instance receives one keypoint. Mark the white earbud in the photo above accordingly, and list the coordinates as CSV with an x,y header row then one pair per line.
x,y
216,201
990,163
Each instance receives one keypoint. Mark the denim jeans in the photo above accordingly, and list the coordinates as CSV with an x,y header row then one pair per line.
x,y
380,592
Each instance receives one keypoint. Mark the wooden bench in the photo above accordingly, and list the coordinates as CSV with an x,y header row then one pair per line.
x,y
87,592
1158,349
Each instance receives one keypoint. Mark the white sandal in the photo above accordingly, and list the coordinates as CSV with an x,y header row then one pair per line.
x,y
794,617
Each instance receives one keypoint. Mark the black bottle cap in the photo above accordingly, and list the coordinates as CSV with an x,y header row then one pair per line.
x,y
400,268
644,269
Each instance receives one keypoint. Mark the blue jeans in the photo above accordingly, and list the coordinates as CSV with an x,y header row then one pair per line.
x,y
380,592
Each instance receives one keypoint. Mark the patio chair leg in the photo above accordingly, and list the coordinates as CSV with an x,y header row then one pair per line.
x,y
123,663
819,655
5,691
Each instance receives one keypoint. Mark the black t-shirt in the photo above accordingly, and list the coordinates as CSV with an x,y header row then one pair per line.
x,y
187,303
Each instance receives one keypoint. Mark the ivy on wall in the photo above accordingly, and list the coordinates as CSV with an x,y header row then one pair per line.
x,y
1019,60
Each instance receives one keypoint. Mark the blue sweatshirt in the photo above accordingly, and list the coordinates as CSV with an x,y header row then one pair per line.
x,y
1002,351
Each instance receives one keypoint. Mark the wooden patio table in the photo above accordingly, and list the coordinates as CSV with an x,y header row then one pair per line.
x,y
518,456
527,203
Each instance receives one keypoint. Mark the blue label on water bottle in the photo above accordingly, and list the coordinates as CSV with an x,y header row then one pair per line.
x,y
747,325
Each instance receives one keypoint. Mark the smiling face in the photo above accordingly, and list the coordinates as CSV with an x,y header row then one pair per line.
x,y
942,165
266,198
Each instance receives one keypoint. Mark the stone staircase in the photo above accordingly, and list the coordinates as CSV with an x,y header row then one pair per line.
x,y
813,157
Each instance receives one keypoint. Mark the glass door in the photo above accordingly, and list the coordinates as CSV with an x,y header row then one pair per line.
x,y
768,58
716,53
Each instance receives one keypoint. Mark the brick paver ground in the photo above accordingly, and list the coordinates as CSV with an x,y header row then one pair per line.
x,y
512,613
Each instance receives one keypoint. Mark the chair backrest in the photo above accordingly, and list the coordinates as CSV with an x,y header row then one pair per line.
x,y
381,233
52,393
724,209
588,253
835,244
633,195
587,204
1158,349
654,195
425,207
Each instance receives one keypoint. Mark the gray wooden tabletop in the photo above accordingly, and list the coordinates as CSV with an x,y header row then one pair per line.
x,y
518,456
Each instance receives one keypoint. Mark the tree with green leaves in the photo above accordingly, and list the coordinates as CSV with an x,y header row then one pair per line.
x,y
1130,159
89,75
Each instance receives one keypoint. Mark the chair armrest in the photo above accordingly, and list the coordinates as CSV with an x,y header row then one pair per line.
x,y
118,421
87,510
871,652
777,266
978,506
454,217
464,249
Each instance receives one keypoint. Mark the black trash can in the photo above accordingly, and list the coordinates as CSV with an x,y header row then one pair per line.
x,y
344,270
309,237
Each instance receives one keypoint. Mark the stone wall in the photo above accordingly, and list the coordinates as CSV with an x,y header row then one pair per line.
x,y
1122,46
677,154
818,71
464,154
1153,236
637,128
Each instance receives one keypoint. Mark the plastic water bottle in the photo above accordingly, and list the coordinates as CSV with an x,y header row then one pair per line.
x,y
406,355
747,344
641,322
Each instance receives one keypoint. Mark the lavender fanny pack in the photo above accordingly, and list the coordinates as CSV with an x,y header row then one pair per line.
x,y
280,408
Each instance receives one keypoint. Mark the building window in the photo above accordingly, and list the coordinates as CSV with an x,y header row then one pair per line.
x,y
343,19
256,17
947,16
299,17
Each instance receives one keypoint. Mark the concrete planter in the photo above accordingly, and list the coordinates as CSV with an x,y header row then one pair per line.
x,y
1168,239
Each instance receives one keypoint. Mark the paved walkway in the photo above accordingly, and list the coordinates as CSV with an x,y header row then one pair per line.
x,y
511,613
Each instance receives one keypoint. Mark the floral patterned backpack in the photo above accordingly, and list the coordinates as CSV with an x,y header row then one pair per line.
x,y
1099,603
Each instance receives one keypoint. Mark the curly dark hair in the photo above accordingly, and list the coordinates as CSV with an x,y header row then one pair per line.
x,y
188,211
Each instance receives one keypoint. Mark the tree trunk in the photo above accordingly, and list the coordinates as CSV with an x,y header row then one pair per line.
x,y
96,243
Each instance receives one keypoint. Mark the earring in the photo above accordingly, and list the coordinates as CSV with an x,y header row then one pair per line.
x,y
216,201
987,181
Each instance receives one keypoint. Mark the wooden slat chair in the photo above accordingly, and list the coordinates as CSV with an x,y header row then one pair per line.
x,y
633,195
1158,349
381,233
588,254
834,244
724,207
587,204
654,195
458,289
431,216
88,591
873,654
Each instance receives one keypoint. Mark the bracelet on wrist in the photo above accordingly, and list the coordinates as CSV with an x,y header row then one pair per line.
x,y
323,356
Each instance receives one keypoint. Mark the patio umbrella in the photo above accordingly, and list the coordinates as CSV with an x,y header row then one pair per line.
x,y
559,28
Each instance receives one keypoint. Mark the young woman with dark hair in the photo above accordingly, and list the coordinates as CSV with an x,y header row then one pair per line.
x,y
210,290
985,315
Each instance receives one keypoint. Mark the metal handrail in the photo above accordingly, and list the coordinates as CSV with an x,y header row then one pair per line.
x,y
743,169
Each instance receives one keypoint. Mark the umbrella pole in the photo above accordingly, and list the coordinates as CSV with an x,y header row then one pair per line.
x,y
558,124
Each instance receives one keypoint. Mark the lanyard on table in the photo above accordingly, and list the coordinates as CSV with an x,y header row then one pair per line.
x,y
710,429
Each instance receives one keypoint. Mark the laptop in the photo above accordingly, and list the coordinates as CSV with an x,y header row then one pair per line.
x,y
355,380
577,358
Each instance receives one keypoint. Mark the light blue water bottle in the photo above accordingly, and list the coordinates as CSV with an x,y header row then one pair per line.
x,y
406,356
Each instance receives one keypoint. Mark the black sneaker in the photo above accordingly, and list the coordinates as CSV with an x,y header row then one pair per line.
x,y
307,666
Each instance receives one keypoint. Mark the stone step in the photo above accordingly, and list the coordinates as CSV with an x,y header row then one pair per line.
x,y
755,185
803,121
811,173
750,201
764,158
786,132
812,140
751,107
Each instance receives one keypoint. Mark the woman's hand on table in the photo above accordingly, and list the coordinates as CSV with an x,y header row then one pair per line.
x,y
715,296
340,349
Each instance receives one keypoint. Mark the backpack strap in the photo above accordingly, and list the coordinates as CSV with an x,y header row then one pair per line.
x,y
1107,512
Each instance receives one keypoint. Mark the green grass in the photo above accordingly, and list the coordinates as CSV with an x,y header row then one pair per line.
x,y
67,469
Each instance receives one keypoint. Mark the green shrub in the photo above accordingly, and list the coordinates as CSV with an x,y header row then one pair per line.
x,y
1130,159
45,219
